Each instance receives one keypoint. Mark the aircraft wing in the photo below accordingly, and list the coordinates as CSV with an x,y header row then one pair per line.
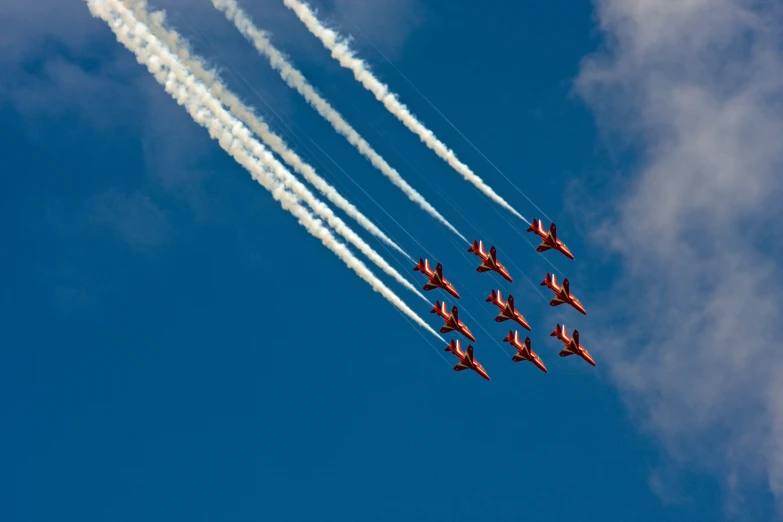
x,y
553,302
566,353
543,247
446,329
460,366
438,273
492,256
502,317
429,286
483,268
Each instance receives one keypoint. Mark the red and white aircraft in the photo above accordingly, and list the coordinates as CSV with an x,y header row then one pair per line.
x,y
452,320
524,351
466,360
436,278
563,293
490,261
507,310
549,239
572,345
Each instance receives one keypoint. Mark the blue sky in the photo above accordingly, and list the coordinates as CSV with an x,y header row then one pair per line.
x,y
175,345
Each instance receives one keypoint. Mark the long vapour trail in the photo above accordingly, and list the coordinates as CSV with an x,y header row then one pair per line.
x,y
294,78
341,52
280,172
155,22
205,109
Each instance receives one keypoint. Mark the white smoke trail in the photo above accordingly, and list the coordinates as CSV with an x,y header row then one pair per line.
x,y
155,22
276,168
297,81
189,93
340,50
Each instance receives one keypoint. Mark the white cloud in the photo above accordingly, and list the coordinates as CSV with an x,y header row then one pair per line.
x,y
697,87
134,217
388,22
25,26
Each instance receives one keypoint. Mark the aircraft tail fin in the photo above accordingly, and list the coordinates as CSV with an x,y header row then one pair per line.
x,y
509,337
474,248
493,296
533,226
557,331
436,308
420,266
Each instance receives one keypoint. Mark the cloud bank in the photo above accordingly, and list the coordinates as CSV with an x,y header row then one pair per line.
x,y
696,86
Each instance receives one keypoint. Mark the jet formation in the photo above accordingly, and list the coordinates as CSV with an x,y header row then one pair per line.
x,y
507,310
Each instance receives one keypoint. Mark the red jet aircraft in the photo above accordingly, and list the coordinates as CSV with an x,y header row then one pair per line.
x,y
524,351
466,360
563,293
507,310
549,239
452,321
490,261
436,278
572,345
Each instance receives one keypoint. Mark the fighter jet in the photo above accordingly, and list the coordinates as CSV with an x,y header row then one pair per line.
x,y
572,345
507,310
466,360
524,351
452,321
549,239
563,293
436,279
489,261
